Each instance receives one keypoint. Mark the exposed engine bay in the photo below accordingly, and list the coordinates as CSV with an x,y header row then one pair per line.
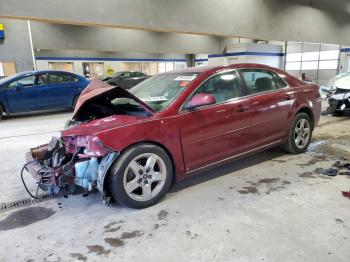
x,y
68,162
338,102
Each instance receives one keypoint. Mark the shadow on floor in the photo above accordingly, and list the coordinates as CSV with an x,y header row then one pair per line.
x,y
37,114
222,170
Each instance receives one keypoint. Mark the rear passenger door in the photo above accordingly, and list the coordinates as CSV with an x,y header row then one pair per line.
x,y
272,101
63,87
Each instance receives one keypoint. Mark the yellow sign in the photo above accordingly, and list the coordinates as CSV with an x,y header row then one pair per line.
x,y
1,27
110,71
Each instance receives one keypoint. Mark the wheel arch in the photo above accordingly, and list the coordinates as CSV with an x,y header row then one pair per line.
x,y
3,108
173,181
309,112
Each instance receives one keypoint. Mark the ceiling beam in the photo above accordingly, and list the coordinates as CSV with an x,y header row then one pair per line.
x,y
262,19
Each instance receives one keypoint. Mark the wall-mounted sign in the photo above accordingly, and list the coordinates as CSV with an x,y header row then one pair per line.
x,y
2,32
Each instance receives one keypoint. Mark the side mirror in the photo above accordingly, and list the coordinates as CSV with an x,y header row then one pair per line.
x,y
201,99
19,86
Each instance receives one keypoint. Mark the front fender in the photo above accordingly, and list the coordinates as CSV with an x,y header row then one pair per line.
x,y
103,169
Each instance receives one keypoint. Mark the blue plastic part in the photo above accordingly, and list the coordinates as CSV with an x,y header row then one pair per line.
x,y
86,173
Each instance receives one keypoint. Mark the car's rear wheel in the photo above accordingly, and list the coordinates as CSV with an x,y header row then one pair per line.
x,y
300,134
141,176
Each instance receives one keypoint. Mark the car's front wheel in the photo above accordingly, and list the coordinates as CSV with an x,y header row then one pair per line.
x,y
141,176
1,112
300,134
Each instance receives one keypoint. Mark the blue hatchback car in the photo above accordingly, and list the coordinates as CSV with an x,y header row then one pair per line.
x,y
39,90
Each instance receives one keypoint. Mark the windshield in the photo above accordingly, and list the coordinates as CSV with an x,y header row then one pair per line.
x,y
160,91
9,78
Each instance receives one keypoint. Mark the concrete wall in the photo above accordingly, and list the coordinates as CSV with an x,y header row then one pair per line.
x,y
68,37
16,46
295,20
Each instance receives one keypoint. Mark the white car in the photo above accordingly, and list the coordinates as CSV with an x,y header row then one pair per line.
x,y
338,94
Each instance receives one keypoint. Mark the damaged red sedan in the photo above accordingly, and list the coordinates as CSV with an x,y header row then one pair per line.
x,y
132,145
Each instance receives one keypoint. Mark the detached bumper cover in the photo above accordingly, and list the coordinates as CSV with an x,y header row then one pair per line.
x,y
53,179
45,176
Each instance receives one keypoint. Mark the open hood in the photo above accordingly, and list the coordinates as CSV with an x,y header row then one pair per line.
x,y
341,81
94,101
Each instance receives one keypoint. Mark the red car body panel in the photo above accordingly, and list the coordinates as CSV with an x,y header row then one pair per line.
x,y
210,134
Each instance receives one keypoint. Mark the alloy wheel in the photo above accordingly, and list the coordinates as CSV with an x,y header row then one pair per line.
x,y
144,177
302,133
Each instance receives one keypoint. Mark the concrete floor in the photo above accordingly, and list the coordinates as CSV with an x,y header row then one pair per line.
x,y
269,207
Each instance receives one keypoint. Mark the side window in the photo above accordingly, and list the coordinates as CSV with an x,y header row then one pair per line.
x,y
127,75
67,78
137,74
279,81
223,87
62,78
12,85
40,79
29,81
258,81
26,81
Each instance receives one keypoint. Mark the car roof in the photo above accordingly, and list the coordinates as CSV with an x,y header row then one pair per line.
x,y
213,68
44,71
25,73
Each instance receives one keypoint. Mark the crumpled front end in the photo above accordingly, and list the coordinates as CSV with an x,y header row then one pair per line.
x,y
338,102
70,161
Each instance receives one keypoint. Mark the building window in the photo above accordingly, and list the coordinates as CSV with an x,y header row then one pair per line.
x,y
312,59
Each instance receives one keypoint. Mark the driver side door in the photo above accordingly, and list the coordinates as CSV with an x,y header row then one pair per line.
x,y
27,93
209,134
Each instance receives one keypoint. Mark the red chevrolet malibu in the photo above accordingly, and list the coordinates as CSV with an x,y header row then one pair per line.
x,y
132,145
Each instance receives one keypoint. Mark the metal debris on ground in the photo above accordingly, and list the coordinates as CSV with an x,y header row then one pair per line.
x,y
24,202
329,171
339,164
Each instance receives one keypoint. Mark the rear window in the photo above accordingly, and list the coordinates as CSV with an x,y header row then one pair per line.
x,y
57,78
261,80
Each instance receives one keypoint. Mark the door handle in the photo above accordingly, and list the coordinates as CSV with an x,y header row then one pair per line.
x,y
242,108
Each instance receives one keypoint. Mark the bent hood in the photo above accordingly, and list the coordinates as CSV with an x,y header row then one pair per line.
x,y
98,88
341,81
99,125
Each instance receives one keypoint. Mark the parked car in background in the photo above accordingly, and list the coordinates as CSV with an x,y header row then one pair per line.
x,y
132,146
40,90
126,79
337,93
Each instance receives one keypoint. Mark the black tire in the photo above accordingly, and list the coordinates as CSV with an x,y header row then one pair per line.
x,y
1,112
116,175
291,145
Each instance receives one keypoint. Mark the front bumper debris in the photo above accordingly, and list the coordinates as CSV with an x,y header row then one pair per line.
x,y
55,167
43,175
338,102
